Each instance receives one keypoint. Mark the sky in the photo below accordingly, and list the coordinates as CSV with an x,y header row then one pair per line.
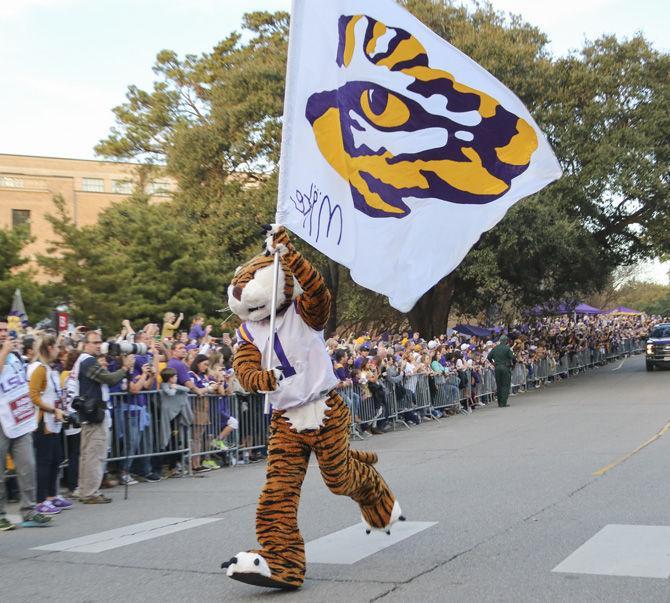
x,y
66,63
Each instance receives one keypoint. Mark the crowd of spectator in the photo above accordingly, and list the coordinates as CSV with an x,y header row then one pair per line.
x,y
183,378
370,365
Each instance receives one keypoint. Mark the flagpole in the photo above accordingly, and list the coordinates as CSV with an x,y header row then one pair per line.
x,y
283,169
273,315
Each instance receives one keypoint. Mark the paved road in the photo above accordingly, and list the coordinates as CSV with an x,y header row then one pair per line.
x,y
512,490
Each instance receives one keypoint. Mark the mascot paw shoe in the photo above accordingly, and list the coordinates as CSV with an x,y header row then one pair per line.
x,y
251,568
396,515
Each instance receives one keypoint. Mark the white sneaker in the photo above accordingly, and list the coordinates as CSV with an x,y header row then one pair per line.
x,y
127,480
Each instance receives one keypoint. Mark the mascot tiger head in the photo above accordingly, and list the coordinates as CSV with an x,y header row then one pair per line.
x,y
250,291
427,136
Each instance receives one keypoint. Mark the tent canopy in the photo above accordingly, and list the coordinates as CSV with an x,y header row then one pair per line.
x,y
586,309
551,309
623,310
558,309
473,330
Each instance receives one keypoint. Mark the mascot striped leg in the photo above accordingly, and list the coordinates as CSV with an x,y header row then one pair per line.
x,y
280,563
349,472
283,549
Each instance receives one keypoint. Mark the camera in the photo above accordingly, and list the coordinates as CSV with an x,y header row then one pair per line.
x,y
112,348
71,420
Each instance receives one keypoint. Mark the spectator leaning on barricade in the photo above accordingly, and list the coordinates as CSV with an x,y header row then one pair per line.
x,y
177,364
201,420
176,414
17,422
93,408
345,383
139,416
220,383
46,394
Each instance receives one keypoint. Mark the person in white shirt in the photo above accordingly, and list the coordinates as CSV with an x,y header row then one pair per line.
x,y
17,422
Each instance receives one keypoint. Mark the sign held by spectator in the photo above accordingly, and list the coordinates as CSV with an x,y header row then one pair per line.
x,y
395,143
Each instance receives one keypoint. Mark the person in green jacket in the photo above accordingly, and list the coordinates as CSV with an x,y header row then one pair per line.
x,y
502,358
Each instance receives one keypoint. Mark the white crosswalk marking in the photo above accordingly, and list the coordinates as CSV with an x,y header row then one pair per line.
x,y
352,544
111,539
623,550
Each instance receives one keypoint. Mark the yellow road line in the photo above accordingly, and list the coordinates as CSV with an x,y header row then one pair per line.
x,y
652,439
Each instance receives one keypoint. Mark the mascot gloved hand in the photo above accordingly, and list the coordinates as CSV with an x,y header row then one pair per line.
x,y
276,240
308,413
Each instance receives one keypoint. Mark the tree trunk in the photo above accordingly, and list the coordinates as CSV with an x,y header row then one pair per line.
x,y
430,314
332,277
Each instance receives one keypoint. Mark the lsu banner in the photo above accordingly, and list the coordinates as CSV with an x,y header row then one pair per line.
x,y
398,150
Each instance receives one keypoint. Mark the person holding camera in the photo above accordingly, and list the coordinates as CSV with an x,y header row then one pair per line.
x,y
46,394
92,405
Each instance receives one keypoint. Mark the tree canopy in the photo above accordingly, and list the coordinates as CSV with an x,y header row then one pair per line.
x,y
214,120
15,275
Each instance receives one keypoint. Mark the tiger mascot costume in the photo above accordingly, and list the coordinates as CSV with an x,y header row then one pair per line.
x,y
308,414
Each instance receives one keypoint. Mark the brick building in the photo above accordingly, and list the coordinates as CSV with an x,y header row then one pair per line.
x,y
28,185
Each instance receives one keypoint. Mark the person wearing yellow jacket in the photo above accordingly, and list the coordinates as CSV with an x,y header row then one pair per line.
x,y
46,394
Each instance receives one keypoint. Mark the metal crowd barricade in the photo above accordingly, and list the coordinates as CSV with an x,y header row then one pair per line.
x,y
251,438
485,389
369,412
422,394
212,415
447,393
518,376
466,391
363,407
353,402
532,377
138,435
405,399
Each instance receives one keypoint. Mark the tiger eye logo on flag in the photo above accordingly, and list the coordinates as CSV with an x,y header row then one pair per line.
x,y
427,137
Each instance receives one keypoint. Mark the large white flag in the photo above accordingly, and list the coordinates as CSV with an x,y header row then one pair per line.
x,y
398,150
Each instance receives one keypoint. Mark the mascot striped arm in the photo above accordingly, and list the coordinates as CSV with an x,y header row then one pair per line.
x,y
308,414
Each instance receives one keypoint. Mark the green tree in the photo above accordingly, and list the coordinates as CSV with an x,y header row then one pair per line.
x,y
639,294
139,261
15,275
215,120
608,120
603,111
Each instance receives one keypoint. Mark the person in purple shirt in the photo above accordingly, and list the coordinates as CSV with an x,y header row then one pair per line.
x,y
179,352
340,365
197,333
364,351
345,386
201,421
184,377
